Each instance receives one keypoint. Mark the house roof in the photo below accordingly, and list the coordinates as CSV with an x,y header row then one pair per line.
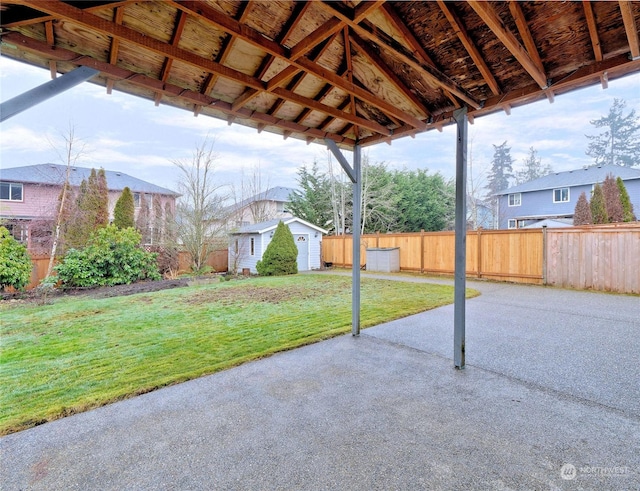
x,y
278,193
580,177
552,223
54,175
349,70
260,228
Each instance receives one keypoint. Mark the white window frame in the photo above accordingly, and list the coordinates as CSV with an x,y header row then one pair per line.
x,y
512,224
561,193
13,185
517,202
252,248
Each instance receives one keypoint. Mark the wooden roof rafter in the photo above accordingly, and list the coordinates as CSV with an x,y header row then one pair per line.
x,y
630,27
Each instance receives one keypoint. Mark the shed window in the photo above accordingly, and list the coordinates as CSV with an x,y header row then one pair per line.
x,y
10,191
561,195
253,246
513,223
515,199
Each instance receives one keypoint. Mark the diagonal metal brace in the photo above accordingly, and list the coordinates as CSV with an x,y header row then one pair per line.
x,y
340,158
45,91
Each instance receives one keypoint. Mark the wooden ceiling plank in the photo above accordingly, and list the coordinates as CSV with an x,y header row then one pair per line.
x,y
368,32
66,11
48,28
489,16
525,34
168,62
626,9
326,30
253,37
418,51
593,29
470,46
373,57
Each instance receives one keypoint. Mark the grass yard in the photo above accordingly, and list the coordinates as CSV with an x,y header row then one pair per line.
x,y
79,353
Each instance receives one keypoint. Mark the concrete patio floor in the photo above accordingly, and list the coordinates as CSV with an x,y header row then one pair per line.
x,y
550,399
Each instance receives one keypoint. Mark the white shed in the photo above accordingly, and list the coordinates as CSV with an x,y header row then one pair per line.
x,y
248,244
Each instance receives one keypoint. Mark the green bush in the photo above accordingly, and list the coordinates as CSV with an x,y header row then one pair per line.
x,y
112,257
281,256
15,263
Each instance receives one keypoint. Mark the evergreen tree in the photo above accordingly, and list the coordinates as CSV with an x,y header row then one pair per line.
x,y
101,200
619,144
66,213
142,222
533,168
281,255
313,203
78,227
501,169
582,213
612,200
124,211
627,205
598,206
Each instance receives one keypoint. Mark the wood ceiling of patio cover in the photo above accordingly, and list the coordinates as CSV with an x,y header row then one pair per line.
x,y
349,71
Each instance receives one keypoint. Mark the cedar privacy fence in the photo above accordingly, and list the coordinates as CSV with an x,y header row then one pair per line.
x,y
605,258
217,260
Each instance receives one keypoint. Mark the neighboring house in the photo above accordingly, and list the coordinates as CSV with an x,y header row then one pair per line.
x,y
555,195
479,214
249,243
29,198
268,205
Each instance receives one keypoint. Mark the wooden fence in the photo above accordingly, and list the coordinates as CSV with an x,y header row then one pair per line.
x,y
218,260
603,258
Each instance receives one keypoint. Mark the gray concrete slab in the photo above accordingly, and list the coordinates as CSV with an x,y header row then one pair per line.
x,y
385,410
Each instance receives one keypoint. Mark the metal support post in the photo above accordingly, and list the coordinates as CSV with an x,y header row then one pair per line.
x,y
461,119
45,91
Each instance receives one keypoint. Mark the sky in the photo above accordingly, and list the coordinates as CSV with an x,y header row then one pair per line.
x,y
131,135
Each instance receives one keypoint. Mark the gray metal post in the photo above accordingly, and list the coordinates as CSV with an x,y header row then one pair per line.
x,y
461,118
45,91
357,220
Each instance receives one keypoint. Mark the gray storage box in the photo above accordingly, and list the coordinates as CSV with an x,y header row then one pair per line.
x,y
383,259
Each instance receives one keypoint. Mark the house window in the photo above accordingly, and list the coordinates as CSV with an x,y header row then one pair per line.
x,y
136,200
515,199
279,206
513,223
10,191
253,246
561,195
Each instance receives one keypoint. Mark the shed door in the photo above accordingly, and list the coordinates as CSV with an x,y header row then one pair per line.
x,y
302,241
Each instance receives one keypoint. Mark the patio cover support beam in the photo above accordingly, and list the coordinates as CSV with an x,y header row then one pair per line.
x,y
461,118
355,175
45,91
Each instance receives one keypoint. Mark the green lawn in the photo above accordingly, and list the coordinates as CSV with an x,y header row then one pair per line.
x,y
79,353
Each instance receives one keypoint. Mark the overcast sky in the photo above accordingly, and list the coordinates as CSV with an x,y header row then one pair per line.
x,y
132,135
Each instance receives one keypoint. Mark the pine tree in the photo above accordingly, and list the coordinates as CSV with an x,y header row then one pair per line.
x,y
124,211
612,200
102,200
582,213
313,202
78,228
281,255
533,168
627,205
619,144
501,169
598,206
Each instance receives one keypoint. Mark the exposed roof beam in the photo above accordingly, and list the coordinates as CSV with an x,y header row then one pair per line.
x,y
525,34
255,38
349,61
630,26
118,15
68,12
593,29
489,16
175,39
168,89
48,27
470,46
369,32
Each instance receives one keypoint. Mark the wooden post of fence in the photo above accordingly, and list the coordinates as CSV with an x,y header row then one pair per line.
x,y
344,250
544,254
377,239
479,249
421,251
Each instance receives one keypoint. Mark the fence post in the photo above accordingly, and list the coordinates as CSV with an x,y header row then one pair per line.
x,y
422,251
544,254
479,251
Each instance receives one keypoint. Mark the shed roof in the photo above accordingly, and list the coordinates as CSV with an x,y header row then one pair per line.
x,y
350,71
55,174
262,227
580,177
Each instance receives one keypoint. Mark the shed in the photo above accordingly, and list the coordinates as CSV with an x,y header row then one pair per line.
x,y
249,243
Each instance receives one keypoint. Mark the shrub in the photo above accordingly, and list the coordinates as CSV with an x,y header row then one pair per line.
x,y
281,256
627,205
598,205
15,263
582,213
112,257
124,211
